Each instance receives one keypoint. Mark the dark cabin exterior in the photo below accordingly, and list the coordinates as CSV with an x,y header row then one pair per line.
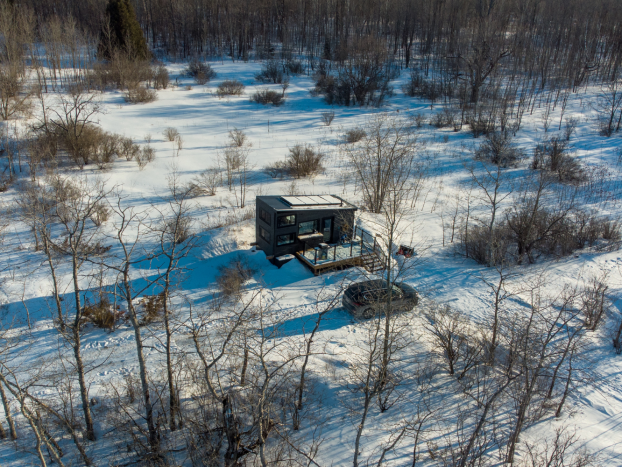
x,y
287,224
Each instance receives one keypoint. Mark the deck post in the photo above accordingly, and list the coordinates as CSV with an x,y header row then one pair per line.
x,y
351,242
335,253
315,258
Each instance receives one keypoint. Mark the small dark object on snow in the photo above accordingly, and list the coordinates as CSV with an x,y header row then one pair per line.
x,y
406,251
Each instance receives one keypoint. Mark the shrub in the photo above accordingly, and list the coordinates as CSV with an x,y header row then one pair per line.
x,y
303,161
140,95
121,72
271,72
552,155
355,135
328,117
233,276
178,230
484,247
276,169
418,86
145,156
170,133
127,148
201,72
418,120
230,88
161,78
237,138
527,234
499,149
153,308
294,67
266,96
481,123
357,84
206,183
445,118
108,148
100,214
102,314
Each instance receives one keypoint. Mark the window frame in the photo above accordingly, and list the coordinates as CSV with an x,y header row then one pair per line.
x,y
263,231
278,221
265,216
316,225
291,236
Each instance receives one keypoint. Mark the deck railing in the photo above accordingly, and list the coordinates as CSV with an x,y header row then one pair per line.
x,y
360,243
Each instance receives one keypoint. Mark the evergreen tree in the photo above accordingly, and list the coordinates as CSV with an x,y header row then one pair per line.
x,y
124,33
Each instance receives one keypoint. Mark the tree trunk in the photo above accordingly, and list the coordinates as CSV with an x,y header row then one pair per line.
x,y
7,413
86,408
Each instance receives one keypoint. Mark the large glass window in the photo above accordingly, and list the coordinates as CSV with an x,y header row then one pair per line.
x,y
264,216
286,239
286,221
307,227
263,233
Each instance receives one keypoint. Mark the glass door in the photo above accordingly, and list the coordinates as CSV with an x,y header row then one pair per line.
x,y
327,229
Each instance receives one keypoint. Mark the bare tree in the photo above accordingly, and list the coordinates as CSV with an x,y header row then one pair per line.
x,y
14,97
493,190
73,121
130,229
535,346
383,159
76,202
609,108
176,242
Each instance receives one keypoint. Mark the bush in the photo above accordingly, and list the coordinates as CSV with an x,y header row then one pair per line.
x,y
230,88
206,183
108,148
355,135
485,248
271,72
161,78
276,169
418,120
294,67
303,161
525,234
140,95
201,72
170,133
128,149
552,155
233,276
445,118
418,86
266,96
145,156
480,124
363,83
122,73
499,149
364,77
153,308
102,314
328,117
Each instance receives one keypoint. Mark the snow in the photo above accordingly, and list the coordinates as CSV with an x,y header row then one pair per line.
x,y
203,121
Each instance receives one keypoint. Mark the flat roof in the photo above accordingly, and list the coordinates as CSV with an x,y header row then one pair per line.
x,y
298,202
315,200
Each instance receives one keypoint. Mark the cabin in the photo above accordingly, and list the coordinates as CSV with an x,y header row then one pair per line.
x,y
286,225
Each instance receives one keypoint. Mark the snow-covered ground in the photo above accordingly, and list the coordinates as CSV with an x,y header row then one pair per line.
x,y
442,276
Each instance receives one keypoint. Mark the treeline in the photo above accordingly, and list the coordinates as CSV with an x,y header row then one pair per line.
x,y
554,42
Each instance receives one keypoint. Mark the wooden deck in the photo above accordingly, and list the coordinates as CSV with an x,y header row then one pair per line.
x,y
326,266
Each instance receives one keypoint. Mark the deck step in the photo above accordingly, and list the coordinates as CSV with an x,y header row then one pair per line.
x,y
372,263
